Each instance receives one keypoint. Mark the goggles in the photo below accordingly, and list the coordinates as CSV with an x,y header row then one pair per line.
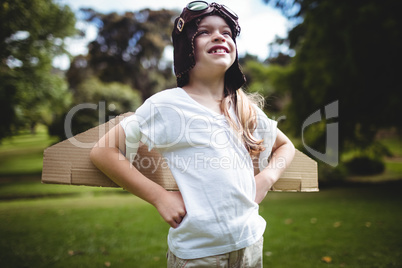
x,y
198,8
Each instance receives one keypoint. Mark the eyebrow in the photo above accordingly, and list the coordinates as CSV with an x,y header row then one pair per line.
x,y
207,25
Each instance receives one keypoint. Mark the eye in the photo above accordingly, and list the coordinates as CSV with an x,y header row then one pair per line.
x,y
202,32
228,33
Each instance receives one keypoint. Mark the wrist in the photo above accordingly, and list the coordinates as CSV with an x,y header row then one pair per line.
x,y
158,196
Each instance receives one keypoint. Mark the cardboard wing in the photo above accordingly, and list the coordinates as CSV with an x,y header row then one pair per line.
x,y
68,162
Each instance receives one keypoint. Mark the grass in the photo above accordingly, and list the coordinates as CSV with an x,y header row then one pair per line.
x,y
356,225
81,232
23,154
34,189
394,144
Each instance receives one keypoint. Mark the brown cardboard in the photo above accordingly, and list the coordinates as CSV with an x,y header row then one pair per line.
x,y
68,162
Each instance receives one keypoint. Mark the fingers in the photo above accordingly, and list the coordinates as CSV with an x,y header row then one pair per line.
x,y
172,208
175,222
181,212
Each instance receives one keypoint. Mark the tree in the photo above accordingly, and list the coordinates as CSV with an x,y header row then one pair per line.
x,y
128,49
31,34
346,51
94,102
269,80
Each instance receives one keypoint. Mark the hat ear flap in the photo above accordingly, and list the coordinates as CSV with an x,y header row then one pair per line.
x,y
183,54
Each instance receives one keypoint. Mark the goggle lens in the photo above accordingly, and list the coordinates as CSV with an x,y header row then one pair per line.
x,y
197,5
231,12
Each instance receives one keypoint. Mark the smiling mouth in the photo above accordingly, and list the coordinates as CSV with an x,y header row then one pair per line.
x,y
218,51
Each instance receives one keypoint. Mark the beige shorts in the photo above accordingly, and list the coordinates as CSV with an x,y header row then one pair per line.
x,y
249,257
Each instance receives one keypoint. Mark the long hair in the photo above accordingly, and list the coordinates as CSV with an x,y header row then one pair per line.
x,y
246,123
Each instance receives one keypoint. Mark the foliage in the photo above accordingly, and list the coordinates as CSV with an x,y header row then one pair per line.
x,y
268,80
393,143
332,175
110,100
346,51
262,78
128,49
31,34
365,165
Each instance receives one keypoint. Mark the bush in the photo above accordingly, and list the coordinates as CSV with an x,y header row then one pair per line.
x,y
117,99
363,165
332,175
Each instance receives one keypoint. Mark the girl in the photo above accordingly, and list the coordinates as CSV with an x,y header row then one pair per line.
x,y
209,131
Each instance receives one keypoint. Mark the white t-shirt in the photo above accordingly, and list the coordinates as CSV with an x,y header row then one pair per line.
x,y
212,168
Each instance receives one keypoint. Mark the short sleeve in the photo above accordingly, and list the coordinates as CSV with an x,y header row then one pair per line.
x,y
266,130
145,125
132,131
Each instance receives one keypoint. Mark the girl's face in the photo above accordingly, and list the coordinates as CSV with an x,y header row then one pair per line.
x,y
215,49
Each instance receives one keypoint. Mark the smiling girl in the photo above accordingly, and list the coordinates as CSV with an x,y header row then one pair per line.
x,y
210,124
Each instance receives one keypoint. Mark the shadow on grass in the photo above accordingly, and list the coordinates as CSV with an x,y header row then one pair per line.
x,y
25,187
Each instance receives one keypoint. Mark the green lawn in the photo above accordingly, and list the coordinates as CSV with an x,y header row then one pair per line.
x,y
356,225
23,154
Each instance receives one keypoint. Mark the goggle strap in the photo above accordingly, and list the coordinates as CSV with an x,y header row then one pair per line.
x,y
199,6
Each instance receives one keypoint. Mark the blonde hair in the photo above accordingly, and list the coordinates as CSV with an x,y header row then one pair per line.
x,y
246,122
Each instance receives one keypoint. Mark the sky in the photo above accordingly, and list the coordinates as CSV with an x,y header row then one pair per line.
x,y
259,23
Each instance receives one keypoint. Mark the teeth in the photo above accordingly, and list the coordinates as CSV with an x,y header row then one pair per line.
x,y
219,50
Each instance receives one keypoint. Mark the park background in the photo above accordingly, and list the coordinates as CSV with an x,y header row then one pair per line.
x,y
345,51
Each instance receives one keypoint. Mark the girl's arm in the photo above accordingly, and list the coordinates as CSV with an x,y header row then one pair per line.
x,y
108,156
283,152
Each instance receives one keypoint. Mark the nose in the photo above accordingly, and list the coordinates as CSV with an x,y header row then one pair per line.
x,y
218,37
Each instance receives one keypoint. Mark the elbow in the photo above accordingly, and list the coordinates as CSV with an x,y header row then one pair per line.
x,y
293,150
288,150
93,155
291,147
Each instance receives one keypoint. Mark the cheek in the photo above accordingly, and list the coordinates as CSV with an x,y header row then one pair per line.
x,y
197,45
233,49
